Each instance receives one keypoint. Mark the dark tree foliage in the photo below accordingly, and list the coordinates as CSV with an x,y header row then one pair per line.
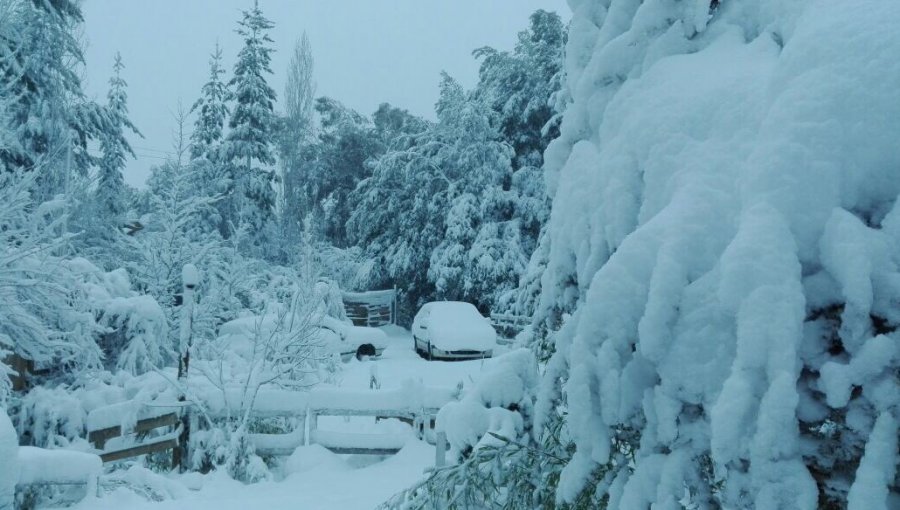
x,y
46,112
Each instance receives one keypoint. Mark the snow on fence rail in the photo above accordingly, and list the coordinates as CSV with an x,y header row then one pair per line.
x,y
407,401
42,466
114,429
73,474
110,428
417,405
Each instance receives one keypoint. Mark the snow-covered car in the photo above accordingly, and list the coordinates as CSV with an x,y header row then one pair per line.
x,y
333,335
452,330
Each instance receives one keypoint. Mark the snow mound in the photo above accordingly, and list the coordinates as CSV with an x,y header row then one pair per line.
x,y
313,456
9,461
152,486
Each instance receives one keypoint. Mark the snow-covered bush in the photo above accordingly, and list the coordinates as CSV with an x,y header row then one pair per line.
x,y
54,309
43,316
242,462
209,449
51,417
724,235
500,404
136,332
276,347
57,416
180,228
499,462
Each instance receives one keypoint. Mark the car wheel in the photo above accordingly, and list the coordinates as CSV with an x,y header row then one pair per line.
x,y
421,352
365,351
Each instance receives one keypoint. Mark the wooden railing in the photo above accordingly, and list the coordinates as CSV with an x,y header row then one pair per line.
x,y
372,308
416,406
508,325
101,431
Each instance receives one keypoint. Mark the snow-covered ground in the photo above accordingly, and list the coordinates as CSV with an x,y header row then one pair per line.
x,y
313,477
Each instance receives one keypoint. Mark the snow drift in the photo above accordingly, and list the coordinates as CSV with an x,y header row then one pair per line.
x,y
724,253
9,467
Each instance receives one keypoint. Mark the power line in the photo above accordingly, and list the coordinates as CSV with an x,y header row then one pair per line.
x,y
151,156
151,149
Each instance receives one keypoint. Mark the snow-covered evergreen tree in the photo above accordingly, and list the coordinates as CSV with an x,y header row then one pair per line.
x,y
722,256
346,143
110,197
252,127
212,111
469,265
50,122
520,85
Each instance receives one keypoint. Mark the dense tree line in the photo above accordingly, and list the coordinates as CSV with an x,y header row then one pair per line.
x,y
445,209
450,209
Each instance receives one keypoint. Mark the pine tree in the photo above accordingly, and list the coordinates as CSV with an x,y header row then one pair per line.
x,y
252,125
50,121
110,193
212,111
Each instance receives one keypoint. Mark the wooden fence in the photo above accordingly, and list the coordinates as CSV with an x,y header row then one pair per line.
x,y
417,406
372,308
508,325
113,441
157,426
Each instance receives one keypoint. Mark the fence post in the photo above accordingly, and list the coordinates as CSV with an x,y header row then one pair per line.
x,y
394,307
311,425
190,278
440,449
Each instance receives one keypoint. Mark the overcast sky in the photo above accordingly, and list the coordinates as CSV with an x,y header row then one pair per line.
x,y
366,51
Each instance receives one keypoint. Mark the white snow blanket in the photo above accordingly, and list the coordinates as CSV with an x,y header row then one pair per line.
x,y
9,461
